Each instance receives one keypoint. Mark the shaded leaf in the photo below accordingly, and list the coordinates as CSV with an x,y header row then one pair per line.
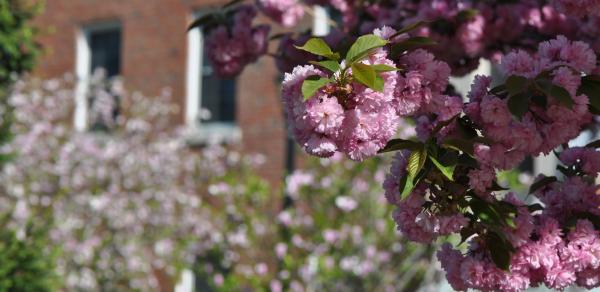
x,y
594,144
516,84
312,84
560,93
411,44
459,144
518,105
202,21
541,183
535,207
499,250
401,144
590,86
231,3
410,27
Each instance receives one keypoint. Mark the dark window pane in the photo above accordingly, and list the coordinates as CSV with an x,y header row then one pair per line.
x,y
218,95
105,46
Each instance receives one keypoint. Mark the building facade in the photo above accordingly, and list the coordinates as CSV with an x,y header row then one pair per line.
x,y
147,43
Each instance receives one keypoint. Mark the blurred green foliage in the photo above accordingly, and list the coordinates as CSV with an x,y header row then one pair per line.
x,y
18,52
27,261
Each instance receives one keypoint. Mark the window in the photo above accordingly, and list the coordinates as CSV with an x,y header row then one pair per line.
x,y
210,100
98,47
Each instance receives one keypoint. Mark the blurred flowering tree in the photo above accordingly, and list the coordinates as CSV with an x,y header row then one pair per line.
x,y
386,61
130,203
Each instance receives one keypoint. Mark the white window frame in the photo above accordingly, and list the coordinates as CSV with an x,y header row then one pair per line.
x,y
83,64
198,132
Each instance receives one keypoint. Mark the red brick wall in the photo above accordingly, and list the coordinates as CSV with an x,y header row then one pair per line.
x,y
154,56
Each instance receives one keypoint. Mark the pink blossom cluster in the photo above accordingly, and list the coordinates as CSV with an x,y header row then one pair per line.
x,y
231,48
541,129
555,258
360,122
286,12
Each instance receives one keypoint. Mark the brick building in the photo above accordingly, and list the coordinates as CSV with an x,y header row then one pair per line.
x,y
145,42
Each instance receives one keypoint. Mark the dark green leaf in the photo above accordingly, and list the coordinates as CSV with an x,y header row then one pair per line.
x,y
410,27
540,100
498,89
459,144
411,44
231,3
363,46
594,144
541,183
447,171
401,144
204,20
516,84
499,250
331,65
535,207
364,74
319,47
467,14
560,93
496,187
312,84
590,86
518,105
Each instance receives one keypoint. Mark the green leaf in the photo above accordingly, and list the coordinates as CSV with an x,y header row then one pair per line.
x,y
378,86
560,93
312,84
447,171
518,104
406,185
319,47
331,65
541,183
384,68
499,250
401,144
364,74
516,84
411,44
416,161
540,100
363,47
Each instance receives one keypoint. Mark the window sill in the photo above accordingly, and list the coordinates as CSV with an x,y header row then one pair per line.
x,y
213,133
